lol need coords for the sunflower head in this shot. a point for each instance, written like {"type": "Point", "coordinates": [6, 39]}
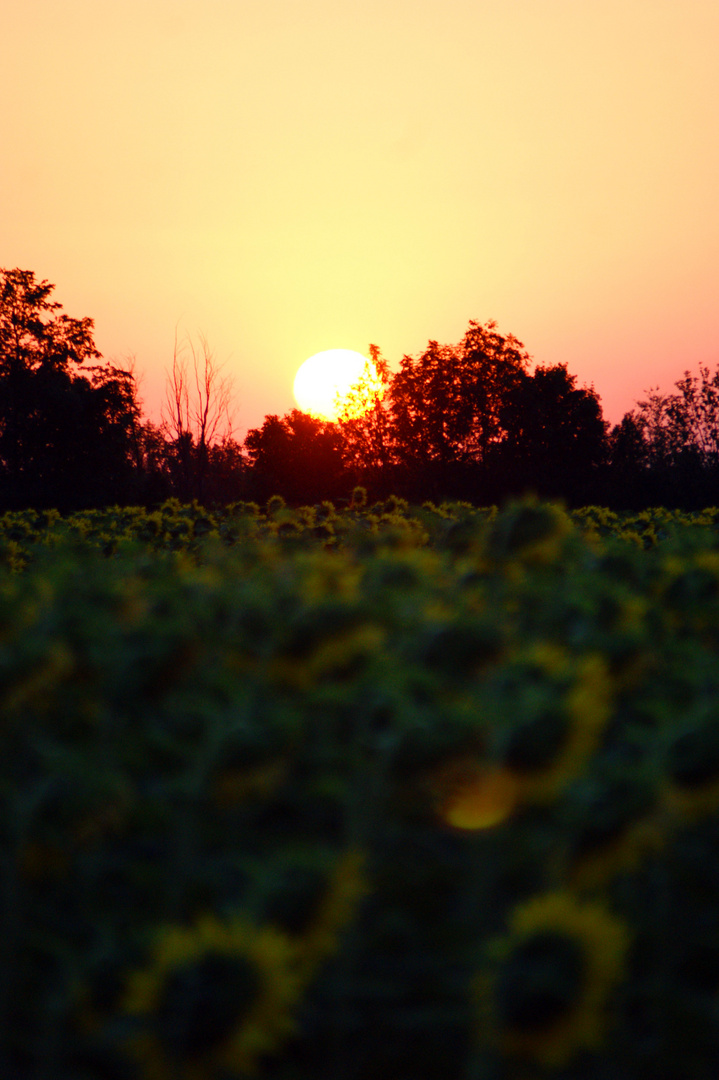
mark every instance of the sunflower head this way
{"type": "Point", "coordinates": [692, 769]}
{"type": "Point", "coordinates": [546, 994]}
{"type": "Point", "coordinates": [614, 825]}
{"type": "Point", "coordinates": [528, 532]}
{"type": "Point", "coordinates": [548, 711]}
{"type": "Point", "coordinates": [539, 981]}
{"type": "Point", "coordinates": [200, 1003]}
{"type": "Point", "coordinates": [342, 893]}
{"type": "Point", "coordinates": [215, 996]}
{"type": "Point", "coordinates": [275, 504]}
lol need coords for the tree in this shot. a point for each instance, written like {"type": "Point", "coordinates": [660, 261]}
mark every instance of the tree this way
{"type": "Point", "coordinates": [67, 428]}
{"type": "Point", "coordinates": [33, 335]}
{"type": "Point", "coordinates": [153, 461]}
{"type": "Point", "coordinates": [693, 415]}
{"type": "Point", "coordinates": [227, 472]}
{"type": "Point", "coordinates": [447, 401]}
{"type": "Point", "coordinates": [653, 421]}
{"type": "Point", "coordinates": [296, 456]}
{"type": "Point", "coordinates": [366, 430]}
{"type": "Point", "coordinates": [555, 436]}
{"type": "Point", "coordinates": [197, 413]}
{"type": "Point", "coordinates": [667, 449]}
{"type": "Point", "coordinates": [684, 425]}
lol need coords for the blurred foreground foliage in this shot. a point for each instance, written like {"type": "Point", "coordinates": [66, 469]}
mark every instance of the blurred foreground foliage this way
{"type": "Point", "coordinates": [379, 791]}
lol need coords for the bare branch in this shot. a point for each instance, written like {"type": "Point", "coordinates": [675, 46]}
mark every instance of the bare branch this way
{"type": "Point", "coordinates": [197, 412]}
{"type": "Point", "coordinates": [176, 408]}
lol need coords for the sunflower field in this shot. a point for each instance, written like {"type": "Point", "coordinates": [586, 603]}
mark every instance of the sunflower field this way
{"type": "Point", "coordinates": [380, 792]}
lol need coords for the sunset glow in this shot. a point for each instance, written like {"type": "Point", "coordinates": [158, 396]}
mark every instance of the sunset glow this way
{"type": "Point", "coordinates": [335, 383]}
{"type": "Point", "coordinates": [276, 175]}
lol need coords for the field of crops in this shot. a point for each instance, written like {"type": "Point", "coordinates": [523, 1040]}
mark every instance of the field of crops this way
{"type": "Point", "coordinates": [390, 792]}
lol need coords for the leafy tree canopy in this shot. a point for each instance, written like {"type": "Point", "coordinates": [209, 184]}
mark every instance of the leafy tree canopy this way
{"type": "Point", "coordinates": [33, 333]}
{"type": "Point", "coordinates": [297, 456]}
{"type": "Point", "coordinates": [66, 439]}
{"type": "Point", "coordinates": [447, 401]}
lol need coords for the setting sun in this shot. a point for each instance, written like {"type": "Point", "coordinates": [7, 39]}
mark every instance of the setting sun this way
{"type": "Point", "coordinates": [336, 382]}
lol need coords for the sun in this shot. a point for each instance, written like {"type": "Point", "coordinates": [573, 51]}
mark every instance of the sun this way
{"type": "Point", "coordinates": [337, 383]}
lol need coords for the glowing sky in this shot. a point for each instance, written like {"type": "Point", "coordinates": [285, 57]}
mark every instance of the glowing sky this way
{"type": "Point", "coordinates": [288, 176]}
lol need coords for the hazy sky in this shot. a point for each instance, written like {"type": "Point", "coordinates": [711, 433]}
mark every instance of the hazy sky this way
{"type": "Point", "coordinates": [287, 176]}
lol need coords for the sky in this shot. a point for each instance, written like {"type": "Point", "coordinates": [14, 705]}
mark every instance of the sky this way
{"type": "Point", "coordinates": [288, 176]}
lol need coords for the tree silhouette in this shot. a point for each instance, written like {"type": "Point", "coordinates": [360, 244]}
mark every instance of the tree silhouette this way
{"type": "Point", "coordinates": [297, 456]}
{"type": "Point", "coordinates": [197, 413]}
{"type": "Point", "coordinates": [447, 402]}
{"type": "Point", "coordinates": [466, 420]}
{"type": "Point", "coordinates": [33, 335]}
{"type": "Point", "coordinates": [693, 415]}
{"type": "Point", "coordinates": [227, 473]}
{"type": "Point", "coordinates": [366, 428]}
{"type": "Point", "coordinates": [555, 437]}
{"type": "Point", "coordinates": [666, 450]}
{"type": "Point", "coordinates": [67, 433]}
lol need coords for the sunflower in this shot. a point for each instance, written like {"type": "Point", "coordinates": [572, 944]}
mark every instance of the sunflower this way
{"type": "Point", "coordinates": [691, 788]}
{"type": "Point", "coordinates": [557, 709]}
{"type": "Point", "coordinates": [619, 826]}
{"type": "Point", "coordinates": [216, 996]}
{"type": "Point", "coordinates": [546, 997]}
{"type": "Point", "coordinates": [528, 532]}
{"type": "Point", "coordinates": [346, 888]}
{"type": "Point", "coordinates": [330, 642]}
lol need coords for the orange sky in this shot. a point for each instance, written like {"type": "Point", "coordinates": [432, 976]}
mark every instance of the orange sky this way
{"type": "Point", "coordinates": [287, 176]}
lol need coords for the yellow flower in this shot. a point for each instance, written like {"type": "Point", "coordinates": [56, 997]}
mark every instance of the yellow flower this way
{"type": "Point", "coordinates": [563, 706]}
{"type": "Point", "coordinates": [347, 887]}
{"type": "Point", "coordinates": [338, 656]}
{"type": "Point", "coordinates": [619, 825]}
{"type": "Point", "coordinates": [319, 651]}
{"type": "Point", "coordinates": [622, 853]}
{"type": "Point", "coordinates": [691, 788]}
{"type": "Point", "coordinates": [547, 998]}
{"type": "Point", "coordinates": [359, 498]}
{"type": "Point", "coordinates": [528, 532]}
{"type": "Point", "coordinates": [216, 996]}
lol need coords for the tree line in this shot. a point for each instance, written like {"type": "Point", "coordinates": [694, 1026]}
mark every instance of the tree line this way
{"type": "Point", "coordinates": [470, 421]}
